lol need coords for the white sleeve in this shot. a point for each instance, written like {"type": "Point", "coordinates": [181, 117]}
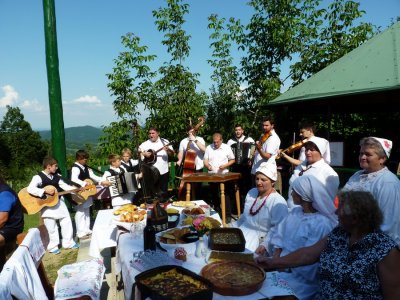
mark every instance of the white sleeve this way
{"type": "Point", "coordinates": [75, 171]}
{"type": "Point", "coordinates": [33, 186]}
{"type": "Point", "coordinates": [94, 176]}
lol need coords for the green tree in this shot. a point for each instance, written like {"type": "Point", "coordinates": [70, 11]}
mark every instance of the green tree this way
{"type": "Point", "coordinates": [175, 98]}
{"type": "Point", "coordinates": [268, 41]}
{"type": "Point", "coordinates": [131, 84]}
{"type": "Point", "coordinates": [23, 147]}
{"type": "Point", "coordinates": [225, 91]}
{"type": "Point", "coordinates": [326, 34]}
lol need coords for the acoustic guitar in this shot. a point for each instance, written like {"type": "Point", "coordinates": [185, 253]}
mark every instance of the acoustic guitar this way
{"type": "Point", "coordinates": [151, 160]}
{"type": "Point", "coordinates": [33, 204]}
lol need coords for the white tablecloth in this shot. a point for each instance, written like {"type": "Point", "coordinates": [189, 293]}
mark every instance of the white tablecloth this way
{"type": "Point", "coordinates": [104, 233]}
{"type": "Point", "coordinates": [127, 245]}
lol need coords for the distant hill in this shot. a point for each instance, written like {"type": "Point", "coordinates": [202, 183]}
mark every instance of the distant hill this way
{"type": "Point", "coordinates": [77, 137]}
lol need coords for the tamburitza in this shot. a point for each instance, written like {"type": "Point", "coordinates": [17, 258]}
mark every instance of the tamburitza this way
{"type": "Point", "coordinates": [243, 152]}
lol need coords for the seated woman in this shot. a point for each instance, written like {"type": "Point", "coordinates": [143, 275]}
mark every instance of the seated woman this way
{"type": "Point", "coordinates": [357, 260]}
{"type": "Point", "coordinates": [264, 208]}
{"type": "Point", "coordinates": [303, 227]}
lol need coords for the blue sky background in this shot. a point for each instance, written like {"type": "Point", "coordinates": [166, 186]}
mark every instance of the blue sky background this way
{"type": "Point", "coordinates": [88, 33]}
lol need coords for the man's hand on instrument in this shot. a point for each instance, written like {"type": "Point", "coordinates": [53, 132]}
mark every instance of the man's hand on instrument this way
{"type": "Point", "coordinates": [105, 183]}
{"type": "Point", "coordinates": [258, 145]}
{"type": "Point", "coordinates": [178, 163]}
{"type": "Point", "coordinates": [191, 137]}
{"type": "Point", "coordinates": [49, 190]}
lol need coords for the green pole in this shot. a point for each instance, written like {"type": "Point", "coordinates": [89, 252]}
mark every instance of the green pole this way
{"type": "Point", "coordinates": [53, 79]}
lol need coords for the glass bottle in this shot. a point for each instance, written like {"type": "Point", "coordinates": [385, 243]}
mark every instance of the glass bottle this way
{"type": "Point", "coordinates": [159, 217]}
{"type": "Point", "coordinates": [149, 235]}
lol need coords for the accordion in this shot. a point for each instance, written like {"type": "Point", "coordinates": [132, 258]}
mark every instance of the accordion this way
{"type": "Point", "coordinates": [122, 183]}
{"type": "Point", "coordinates": [243, 152]}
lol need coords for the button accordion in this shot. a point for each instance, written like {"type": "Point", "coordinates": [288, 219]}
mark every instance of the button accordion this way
{"type": "Point", "coordinates": [122, 183]}
{"type": "Point", "coordinates": [243, 152]}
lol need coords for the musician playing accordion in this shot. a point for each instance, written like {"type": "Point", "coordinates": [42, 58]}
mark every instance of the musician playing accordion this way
{"type": "Point", "coordinates": [123, 183]}
{"type": "Point", "coordinates": [243, 149]}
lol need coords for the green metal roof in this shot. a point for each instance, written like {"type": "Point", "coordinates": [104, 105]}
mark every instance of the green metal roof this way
{"type": "Point", "coordinates": [372, 67]}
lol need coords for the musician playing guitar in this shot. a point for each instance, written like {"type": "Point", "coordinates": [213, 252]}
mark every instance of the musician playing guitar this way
{"type": "Point", "coordinates": [80, 173]}
{"type": "Point", "coordinates": [267, 147]}
{"type": "Point", "coordinates": [160, 149]}
{"type": "Point", "coordinates": [45, 183]}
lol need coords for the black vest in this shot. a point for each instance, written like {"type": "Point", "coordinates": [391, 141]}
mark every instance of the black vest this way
{"type": "Point", "coordinates": [83, 174]}
{"type": "Point", "coordinates": [47, 181]}
{"type": "Point", "coordinates": [113, 173]}
{"type": "Point", "coordinates": [15, 216]}
{"type": "Point", "coordinates": [128, 166]}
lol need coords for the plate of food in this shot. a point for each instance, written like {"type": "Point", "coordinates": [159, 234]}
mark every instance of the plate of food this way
{"type": "Point", "coordinates": [125, 208]}
{"type": "Point", "coordinates": [178, 237]}
{"type": "Point", "coordinates": [234, 278]}
{"type": "Point", "coordinates": [193, 212]}
{"type": "Point", "coordinates": [183, 204]}
{"type": "Point", "coordinates": [127, 219]}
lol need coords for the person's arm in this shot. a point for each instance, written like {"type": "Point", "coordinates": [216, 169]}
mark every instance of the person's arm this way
{"type": "Point", "coordinates": [290, 159]}
{"type": "Point", "coordinates": [180, 157]}
{"type": "Point", "coordinates": [75, 171]}
{"type": "Point", "coordinates": [389, 274]}
{"type": "Point", "coordinates": [200, 145]}
{"type": "Point", "coordinates": [227, 165]}
{"type": "Point", "coordinates": [33, 188]}
{"type": "Point", "coordinates": [265, 155]}
{"type": "Point", "coordinates": [301, 257]}
{"type": "Point", "coordinates": [207, 164]}
{"type": "Point", "coordinates": [7, 201]}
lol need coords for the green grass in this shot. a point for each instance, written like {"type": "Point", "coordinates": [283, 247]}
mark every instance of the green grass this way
{"type": "Point", "coordinates": [31, 221]}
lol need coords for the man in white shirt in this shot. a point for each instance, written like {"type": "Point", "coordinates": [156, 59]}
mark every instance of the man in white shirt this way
{"type": "Point", "coordinates": [217, 159]}
{"type": "Point", "coordinates": [307, 134]}
{"type": "Point", "coordinates": [156, 151]}
{"type": "Point", "coordinates": [243, 148]}
{"type": "Point", "coordinates": [267, 147]}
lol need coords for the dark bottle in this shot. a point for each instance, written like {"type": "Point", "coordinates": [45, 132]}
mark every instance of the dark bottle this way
{"type": "Point", "coordinates": [149, 236]}
{"type": "Point", "coordinates": [159, 217]}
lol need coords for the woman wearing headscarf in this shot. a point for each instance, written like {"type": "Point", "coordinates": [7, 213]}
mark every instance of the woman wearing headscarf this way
{"type": "Point", "coordinates": [303, 228]}
{"type": "Point", "coordinates": [264, 208]}
{"type": "Point", "coordinates": [357, 260]}
{"type": "Point", "coordinates": [377, 179]}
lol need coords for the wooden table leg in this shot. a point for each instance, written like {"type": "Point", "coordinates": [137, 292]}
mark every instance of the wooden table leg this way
{"type": "Point", "coordinates": [188, 187]}
{"type": "Point", "coordinates": [237, 195]}
{"type": "Point", "coordinates": [223, 209]}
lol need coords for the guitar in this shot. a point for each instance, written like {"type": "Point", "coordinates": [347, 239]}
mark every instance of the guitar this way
{"type": "Point", "coordinates": [33, 204]}
{"type": "Point", "coordinates": [153, 154]}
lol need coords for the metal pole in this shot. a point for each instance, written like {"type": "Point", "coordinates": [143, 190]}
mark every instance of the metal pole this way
{"type": "Point", "coordinates": [53, 79]}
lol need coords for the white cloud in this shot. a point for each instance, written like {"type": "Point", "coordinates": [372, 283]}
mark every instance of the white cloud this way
{"type": "Point", "coordinates": [10, 96]}
{"type": "Point", "coordinates": [32, 105]}
{"type": "Point", "coordinates": [87, 99]}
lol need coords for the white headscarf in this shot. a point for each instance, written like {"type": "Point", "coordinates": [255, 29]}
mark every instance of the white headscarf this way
{"type": "Point", "coordinates": [310, 189]}
{"type": "Point", "coordinates": [269, 169]}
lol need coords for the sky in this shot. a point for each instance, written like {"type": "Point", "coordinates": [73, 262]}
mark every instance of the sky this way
{"type": "Point", "coordinates": [89, 39]}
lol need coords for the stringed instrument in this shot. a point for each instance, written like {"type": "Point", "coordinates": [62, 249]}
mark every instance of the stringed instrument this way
{"type": "Point", "coordinates": [189, 161]}
{"type": "Point", "coordinates": [33, 204]}
{"type": "Point", "coordinates": [151, 160]}
{"type": "Point", "coordinates": [296, 146]}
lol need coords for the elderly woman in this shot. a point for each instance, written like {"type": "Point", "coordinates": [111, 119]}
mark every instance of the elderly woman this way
{"type": "Point", "coordinates": [301, 229]}
{"type": "Point", "coordinates": [316, 166]}
{"type": "Point", "coordinates": [376, 178]}
{"type": "Point", "coordinates": [264, 208]}
{"type": "Point", "coordinates": [357, 260]}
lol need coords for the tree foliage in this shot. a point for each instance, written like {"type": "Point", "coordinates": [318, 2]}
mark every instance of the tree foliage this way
{"type": "Point", "coordinates": [21, 146]}
{"type": "Point", "coordinates": [225, 91]}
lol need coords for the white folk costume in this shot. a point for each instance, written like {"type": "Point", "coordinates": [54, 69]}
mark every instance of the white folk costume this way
{"type": "Point", "coordinates": [199, 154]}
{"type": "Point", "coordinates": [301, 229]}
{"type": "Point", "coordinates": [162, 156]}
{"type": "Point", "coordinates": [120, 200]}
{"type": "Point", "coordinates": [51, 214]}
{"type": "Point", "coordinates": [82, 216]}
{"type": "Point", "coordinates": [261, 216]}
{"type": "Point", "coordinates": [130, 164]}
{"type": "Point", "coordinates": [322, 171]}
{"type": "Point", "coordinates": [323, 146]}
{"type": "Point", "coordinates": [271, 146]}
{"type": "Point", "coordinates": [218, 157]}
{"type": "Point", "coordinates": [385, 187]}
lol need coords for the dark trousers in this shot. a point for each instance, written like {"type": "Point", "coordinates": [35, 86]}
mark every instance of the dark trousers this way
{"type": "Point", "coordinates": [214, 197]}
{"type": "Point", "coordinates": [244, 183]}
{"type": "Point", "coordinates": [164, 184]}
